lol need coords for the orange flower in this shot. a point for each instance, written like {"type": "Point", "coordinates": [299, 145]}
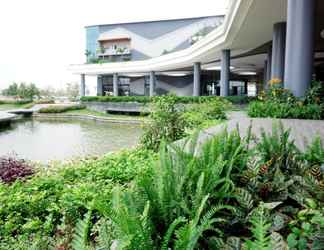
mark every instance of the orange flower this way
{"type": "Point", "coordinates": [275, 81]}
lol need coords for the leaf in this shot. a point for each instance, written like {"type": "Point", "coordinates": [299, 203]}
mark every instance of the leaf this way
{"type": "Point", "coordinates": [271, 205]}
{"type": "Point", "coordinates": [244, 198]}
{"type": "Point", "coordinates": [292, 240]}
{"type": "Point", "coordinates": [80, 238]}
{"type": "Point", "coordinates": [233, 243]}
{"type": "Point", "coordinates": [279, 221]}
{"type": "Point", "coordinates": [277, 242]}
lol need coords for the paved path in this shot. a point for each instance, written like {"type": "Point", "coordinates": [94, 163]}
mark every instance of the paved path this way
{"type": "Point", "coordinates": [302, 131]}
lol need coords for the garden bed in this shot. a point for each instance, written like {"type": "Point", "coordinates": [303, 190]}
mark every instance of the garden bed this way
{"type": "Point", "coordinates": [179, 99]}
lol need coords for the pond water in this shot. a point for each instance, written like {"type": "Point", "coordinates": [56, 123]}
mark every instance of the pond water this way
{"type": "Point", "coordinates": [63, 139]}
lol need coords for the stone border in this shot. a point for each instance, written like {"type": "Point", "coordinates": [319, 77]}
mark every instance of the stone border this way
{"type": "Point", "coordinates": [103, 107]}
{"type": "Point", "coordinates": [89, 117]}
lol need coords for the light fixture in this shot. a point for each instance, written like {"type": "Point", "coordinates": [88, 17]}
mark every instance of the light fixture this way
{"type": "Point", "coordinates": [134, 75]}
{"type": "Point", "coordinates": [217, 68]}
{"type": "Point", "coordinates": [247, 73]}
{"type": "Point", "coordinates": [175, 74]}
{"type": "Point", "coordinates": [322, 34]}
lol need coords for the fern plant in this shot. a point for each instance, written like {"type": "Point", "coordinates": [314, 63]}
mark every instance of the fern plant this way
{"type": "Point", "coordinates": [81, 236]}
{"type": "Point", "coordinates": [277, 147]}
{"type": "Point", "coordinates": [131, 221]}
{"type": "Point", "coordinates": [189, 234]}
{"type": "Point", "coordinates": [315, 153]}
{"type": "Point", "coordinates": [260, 230]}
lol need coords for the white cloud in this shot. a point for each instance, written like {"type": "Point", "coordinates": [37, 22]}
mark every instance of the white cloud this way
{"type": "Point", "coordinates": [40, 38]}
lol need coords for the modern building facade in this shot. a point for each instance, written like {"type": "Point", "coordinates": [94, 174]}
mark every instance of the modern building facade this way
{"type": "Point", "coordinates": [256, 40]}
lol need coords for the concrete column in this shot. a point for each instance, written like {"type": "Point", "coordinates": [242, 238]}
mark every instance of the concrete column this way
{"type": "Point", "coordinates": [115, 84]}
{"type": "Point", "coordinates": [99, 86]}
{"type": "Point", "coordinates": [269, 64]}
{"type": "Point", "coordinates": [152, 83]}
{"type": "Point", "coordinates": [278, 51]}
{"type": "Point", "coordinates": [225, 73]}
{"type": "Point", "coordinates": [196, 80]}
{"type": "Point", "coordinates": [82, 85]}
{"type": "Point", "coordinates": [299, 45]}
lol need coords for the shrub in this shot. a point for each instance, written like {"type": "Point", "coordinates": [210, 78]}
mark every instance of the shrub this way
{"type": "Point", "coordinates": [61, 108]}
{"type": "Point", "coordinates": [295, 110]}
{"type": "Point", "coordinates": [16, 102]}
{"type": "Point", "coordinates": [167, 123]}
{"type": "Point", "coordinates": [178, 99]}
{"type": "Point", "coordinates": [44, 101]}
{"type": "Point", "coordinates": [196, 115]}
{"type": "Point", "coordinates": [12, 169]}
{"type": "Point", "coordinates": [316, 94]}
{"type": "Point", "coordinates": [278, 102]}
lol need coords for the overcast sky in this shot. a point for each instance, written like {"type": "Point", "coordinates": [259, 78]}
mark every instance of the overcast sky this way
{"type": "Point", "coordinates": [40, 38]}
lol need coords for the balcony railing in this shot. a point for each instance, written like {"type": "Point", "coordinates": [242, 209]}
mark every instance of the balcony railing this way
{"type": "Point", "coordinates": [114, 52]}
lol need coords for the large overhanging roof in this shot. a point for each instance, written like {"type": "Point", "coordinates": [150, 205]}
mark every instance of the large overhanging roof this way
{"type": "Point", "coordinates": [248, 24]}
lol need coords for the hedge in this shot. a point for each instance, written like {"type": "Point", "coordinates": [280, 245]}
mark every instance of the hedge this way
{"type": "Point", "coordinates": [179, 99]}
{"type": "Point", "coordinates": [60, 108]}
{"type": "Point", "coordinates": [16, 102]}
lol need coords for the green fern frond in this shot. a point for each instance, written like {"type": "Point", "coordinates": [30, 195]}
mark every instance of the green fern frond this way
{"type": "Point", "coordinates": [233, 243]}
{"type": "Point", "coordinates": [260, 230]}
{"type": "Point", "coordinates": [105, 236]}
{"type": "Point", "coordinates": [81, 235]}
{"type": "Point", "coordinates": [170, 231]}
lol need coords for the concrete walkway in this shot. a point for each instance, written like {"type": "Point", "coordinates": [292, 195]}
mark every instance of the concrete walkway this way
{"type": "Point", "coordinates": [303, 132]}
{"type": "Point", "coordinates": [6, 117]}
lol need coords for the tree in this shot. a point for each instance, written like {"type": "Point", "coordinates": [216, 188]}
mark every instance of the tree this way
{"type": "Point", "coordinates": [22, 90]}
{"type": "Point", "coordinates": [12, 90]}
{"type": "Point", "coordinates": [48, 91]}
{"type": "Point", "coordinates": [72, 89]}
{"type": "Point", "coordinates": [32, 91]}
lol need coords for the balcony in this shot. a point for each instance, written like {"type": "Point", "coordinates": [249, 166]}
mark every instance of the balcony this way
{"type": "Point", "coordinates": [103, 52]}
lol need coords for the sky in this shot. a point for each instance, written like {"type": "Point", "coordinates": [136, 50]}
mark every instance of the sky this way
{"type": "Point", "coordinates": [39, 39]}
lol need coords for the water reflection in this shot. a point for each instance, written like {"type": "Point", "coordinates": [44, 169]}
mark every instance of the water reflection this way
{"type": "Point", "coordinates": [44, 140]}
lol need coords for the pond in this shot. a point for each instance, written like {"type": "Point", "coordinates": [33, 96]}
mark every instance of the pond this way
{"type": "Point", "coordinates": [63, 139]}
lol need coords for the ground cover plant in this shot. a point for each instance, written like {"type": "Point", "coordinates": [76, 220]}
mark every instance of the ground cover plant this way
{"type": "Point", "coordinates": [12, 169]}
{"type": "Point", "coordinates": [278, 102]}
{"type": "Point", "coordinates": [44, 208]}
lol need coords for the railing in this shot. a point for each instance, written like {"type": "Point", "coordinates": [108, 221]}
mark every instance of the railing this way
{"type": "Point", "coordinates": [114, 52]}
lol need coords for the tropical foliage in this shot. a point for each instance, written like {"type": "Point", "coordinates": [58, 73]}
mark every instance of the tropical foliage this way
{"type": "Point", "coordinates": [171, 121]}
{"type": "Point", "coordinates": [232, 192]}
{"type": "Point", "coordinates": [166, 123]}
{"type": "Point", "coordinates": [278, 102]}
